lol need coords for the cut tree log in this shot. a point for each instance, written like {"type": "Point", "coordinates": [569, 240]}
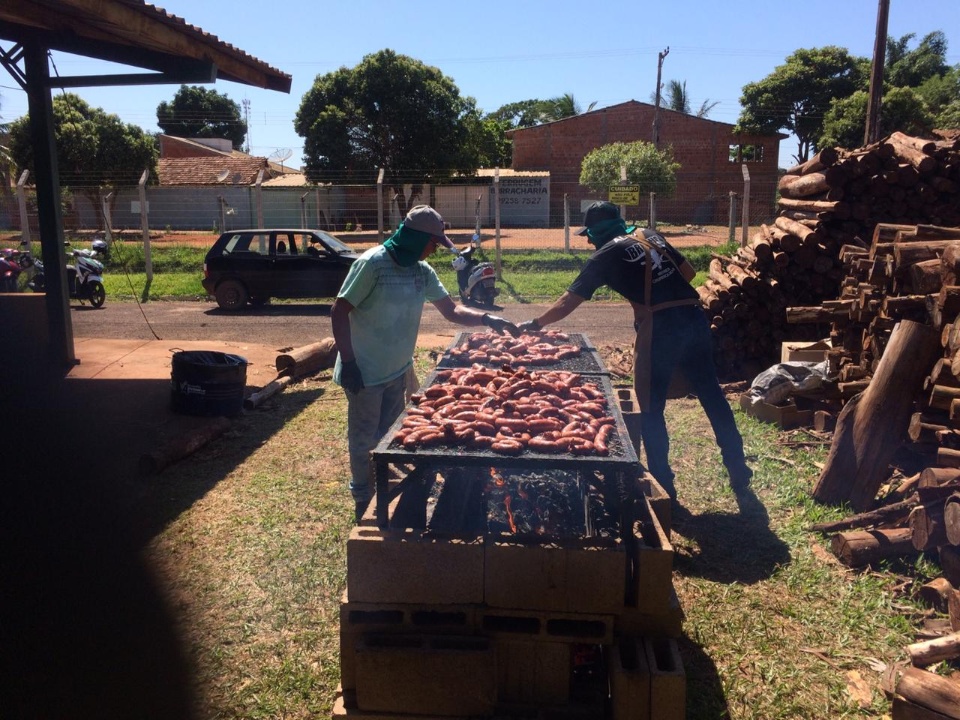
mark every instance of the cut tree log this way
{"type": "Point", "coordinates": [951, 518]}
{"type": "Point", "coordinates": [936, 593]}
{"type": "Point", "coordinates": [887, 514]}
{"type": "Point", "coordinates": [870, 425]}
{"type": "Point", "coordinates": [953, 609]}
{"type": "Point", "coordinates": [928, 689]}
{"type": "Point", "coordinates": [927, 527]}
{"type": "Point", "coordinates": [182, 445]}
{"type": "Point", "coordinates": [308, 359]}
{"type": "Point", "coordinates": [266, 392]}
{"type": "Point", "coordinates": [930, 652]}
{"type": "Point", "coordinates": [859, 548]}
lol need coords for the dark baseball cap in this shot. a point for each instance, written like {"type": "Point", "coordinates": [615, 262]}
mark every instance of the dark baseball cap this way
{"type": "Point", "coordinates": [598, 212]}
{"type": "Point", "coordinates": [425, 219]}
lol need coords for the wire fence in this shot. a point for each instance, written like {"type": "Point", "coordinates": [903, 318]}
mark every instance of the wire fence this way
{"type": "Point", "coordinates": [532, 210]}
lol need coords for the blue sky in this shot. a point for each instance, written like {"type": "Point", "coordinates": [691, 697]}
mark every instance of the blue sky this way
{"type": "Point", "coordinates": [501, 52]}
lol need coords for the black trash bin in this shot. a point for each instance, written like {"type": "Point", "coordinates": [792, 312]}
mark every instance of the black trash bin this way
{"type": "Point", "coordinates": [207, 382]}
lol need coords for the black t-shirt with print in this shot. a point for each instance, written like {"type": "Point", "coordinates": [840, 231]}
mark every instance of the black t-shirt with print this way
{"type": "Point", "coordinates": [620, 265]}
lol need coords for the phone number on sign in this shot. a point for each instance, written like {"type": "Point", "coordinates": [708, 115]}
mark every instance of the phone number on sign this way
{"type": "Point", "coordinates": [521, 201]}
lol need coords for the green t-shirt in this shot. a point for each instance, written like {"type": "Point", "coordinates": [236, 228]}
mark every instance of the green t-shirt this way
{"type": "Point", "coordinates": [387, 304]}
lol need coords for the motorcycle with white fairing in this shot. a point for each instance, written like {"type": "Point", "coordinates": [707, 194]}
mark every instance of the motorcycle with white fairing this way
{"type": "Point", "coordinates": [84, 276]}
{"type": "Point", "coordinates": [477, 280]}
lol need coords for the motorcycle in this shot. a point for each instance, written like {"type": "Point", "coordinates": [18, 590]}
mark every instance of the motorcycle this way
{"type": "Point", "coordinates": [84, 276]}
{"type": "Point", "coordinates": [10, 269]}
{"type": "Point", "coordinates": [477, 280]}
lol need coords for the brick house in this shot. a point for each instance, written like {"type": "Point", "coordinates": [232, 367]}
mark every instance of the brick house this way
{"type": "Point", "coordinates": [710, 154]}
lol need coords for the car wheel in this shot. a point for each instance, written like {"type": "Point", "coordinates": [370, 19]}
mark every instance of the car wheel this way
{"type": "Point", "coordinates": [231, 295]}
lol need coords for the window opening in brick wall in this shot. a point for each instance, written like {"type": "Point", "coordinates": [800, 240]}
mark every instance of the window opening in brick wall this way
{"type": "Point", "coordinates": [745, 153]}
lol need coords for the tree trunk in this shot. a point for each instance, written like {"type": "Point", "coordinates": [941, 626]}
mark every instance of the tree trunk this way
{"type": "Point", "coordinates": [930, 652]}
{"type": "Point", "coordinates": [182, 445]}
{"type": "Point", "coordinates": [929, 690]}
{"type": "Point", "coordinates": [926, 526]}
{"type": "Point", "coordinates": [870, 427]}
{"type": "Point", "coordinates": [887, 514]}
{"type": "Point", "coordinates": [307, 360]}
{"type": "Point", "coordinates": [951, 518]}
{"type": "Point", "coordinates": [866, 547]}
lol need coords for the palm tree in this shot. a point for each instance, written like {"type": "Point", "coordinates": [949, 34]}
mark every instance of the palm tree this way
{"type": "Point", "coordinates": [677, 99]}
{"type": "Point", "coordinates": [563, 107]}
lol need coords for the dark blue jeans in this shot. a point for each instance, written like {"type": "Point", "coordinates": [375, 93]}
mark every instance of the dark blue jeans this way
{"type": "Point", "coordinates": [682, 341]}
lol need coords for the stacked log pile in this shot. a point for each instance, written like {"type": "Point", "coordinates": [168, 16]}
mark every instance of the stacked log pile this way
{"type": "Point", "coordinates": [829, 204]}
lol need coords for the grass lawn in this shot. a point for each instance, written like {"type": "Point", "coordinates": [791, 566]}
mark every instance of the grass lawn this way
{"type": "Point", "coordinates": [774, 627]}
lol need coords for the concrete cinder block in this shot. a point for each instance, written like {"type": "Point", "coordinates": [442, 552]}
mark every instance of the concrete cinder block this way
{"type": "Point", "coordinates": [422, 674]}
{"type": "Point", "coordinates": [588, 628]}
{"type": "Point", "coordinates": [629, 681]}
{"type": "Point", "coordinates": [397, 566]}
{"type": "Point", "coordinates": [573, 578]}
{"type": "Point", "coordinates": [531, 672]}
{"type": "Point", "coordinates": [667, 622]}
{"type": "Point", "coordinates": [659, 501]}
{"type": "Point", "coordinates": [668, 682]}
{"type": "Point", "coordinates": [651, 556]}
{"type": "Point", "coordinates": [359, 619]}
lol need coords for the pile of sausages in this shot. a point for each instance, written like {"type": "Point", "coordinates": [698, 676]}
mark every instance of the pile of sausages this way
{"type": "Point", "coordinates": [509, 411]}
{"type": "Point", "coordinates": [543, 348]}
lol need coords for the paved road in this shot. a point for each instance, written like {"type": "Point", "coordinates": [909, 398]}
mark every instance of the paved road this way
{"type": "Point", "coordinates": [293, 325]}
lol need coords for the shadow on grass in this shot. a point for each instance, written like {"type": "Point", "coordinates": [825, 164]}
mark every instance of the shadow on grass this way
{"type": "Point", "coordinates": [705, 696]}
{"type": "Point", "coordinates": [730, 547]}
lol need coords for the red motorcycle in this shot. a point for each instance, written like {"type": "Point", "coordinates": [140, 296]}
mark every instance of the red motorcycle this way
{"type": "Point", "coordinates": [11, 265]}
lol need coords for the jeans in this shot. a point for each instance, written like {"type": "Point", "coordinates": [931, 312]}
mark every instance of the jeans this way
{"type": "Point", "coordinates": [370, 413]}
{"type": "Point", "coordinates": [682, 340]}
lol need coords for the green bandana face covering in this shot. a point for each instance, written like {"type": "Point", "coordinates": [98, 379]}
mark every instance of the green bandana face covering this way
{"type": "Point", "coordinates": [599, 234]}
{"type": "Point", "coordinates": [406, 245]}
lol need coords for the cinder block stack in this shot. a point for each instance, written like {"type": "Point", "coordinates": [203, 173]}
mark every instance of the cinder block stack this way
{"type": "Point", "coordinates": [482, 625]}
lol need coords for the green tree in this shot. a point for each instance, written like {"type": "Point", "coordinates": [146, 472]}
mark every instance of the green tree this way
{"type": "Point", "coordinates": [95, 150]}
{"type": "Point", "coordinates": [941, 93]}
{"type": "Point", "coordinates": [196, 112]}
{"type": "Point", "coordinates": [900, 109]}
{"type": "Point", "coordinates": [524, 113]}
{"type": "Point", "coordinates": [796, 95]}
{"type": "Point", "coordinates": [487, 141]}
{"type": "Point", "coordinates": [392, 112]}
{"type": "Point", "coordinates": [653, 170]}
{"type": "Point", "coordinates": [910, 68]}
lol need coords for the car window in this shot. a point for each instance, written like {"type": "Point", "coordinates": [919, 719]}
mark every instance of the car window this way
{"type": "Point", "coordinates": [332, 243]}
{"type": "Point", "coordinates": [286, 243]}
{"type": "Point", "coordinates": [246, 242]}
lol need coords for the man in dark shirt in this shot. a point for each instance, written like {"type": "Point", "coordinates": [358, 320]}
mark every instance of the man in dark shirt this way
{"type": "Point", "coordinates": [672, 333]}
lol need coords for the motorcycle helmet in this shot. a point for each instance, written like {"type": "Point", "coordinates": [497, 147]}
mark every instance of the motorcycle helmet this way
{"type": "Point", "coordinates": [99, 246]}
{"type": "Point", "coordinates": [459, 263]}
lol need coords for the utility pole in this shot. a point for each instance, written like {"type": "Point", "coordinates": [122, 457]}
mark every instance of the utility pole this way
{"type": "Point", "coordinates": [656, 112]}
{"type": "Point", "coordinates": [246, 119]}
{"type": "Point", "coordinates": [872, 132]}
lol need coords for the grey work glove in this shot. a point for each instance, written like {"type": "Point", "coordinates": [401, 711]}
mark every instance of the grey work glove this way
{"type": "Point", "coordinates": [530, 326]}
{"type": "Point", "coordinates": [350, 377]}
{"type": "Point", "coordinates": [499, 324]}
